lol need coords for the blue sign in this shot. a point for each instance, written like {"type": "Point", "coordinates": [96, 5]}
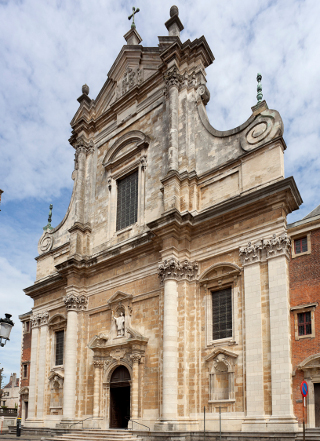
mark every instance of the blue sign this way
{"type": "Point", "coordinates": [304, 388]}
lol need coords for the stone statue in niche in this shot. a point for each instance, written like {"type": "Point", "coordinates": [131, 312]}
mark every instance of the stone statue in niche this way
{"type": "Point", "coordinates": [120, 324]}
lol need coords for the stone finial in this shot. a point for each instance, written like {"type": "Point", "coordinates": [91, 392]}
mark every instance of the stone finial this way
{"type": "Point", "coordinates": [48, 226]}
{"type": "Point", "coordinates": [174, 24]}
{"type": "Point", "coordinates": [259, 88]}
{"type": "Point", "coordinates": [85, 89]}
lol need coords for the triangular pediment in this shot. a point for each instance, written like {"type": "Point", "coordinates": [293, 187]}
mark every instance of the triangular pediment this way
{"type": "Point", "coordinates": [218, 351]}
{"type": "Point", "coordinates": [119, 296]}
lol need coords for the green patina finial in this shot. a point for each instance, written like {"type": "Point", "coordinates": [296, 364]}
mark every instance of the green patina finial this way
{"type": "Point", "coordinates": [259, 88]}
{"type": "Point", "coordinates": [134, 11]}
{"type": "Point", "coordinates": [48, 226]}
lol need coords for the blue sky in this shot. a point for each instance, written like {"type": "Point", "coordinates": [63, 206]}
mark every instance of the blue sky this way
{"type": "Point", "coordinates": [49, 49]}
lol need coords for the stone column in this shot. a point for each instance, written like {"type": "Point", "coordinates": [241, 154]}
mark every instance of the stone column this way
{"type": "Point", "coordinates": [33, 367]}
{"type": "Point", "coordinates": [135, 386]}
{"type": "Point", "coordinates": [253, 329]}
{"type": "Point", "coordinates": [80, 165]}
{"type": "Point", "coordinates": [98, 365]}
{"type": "Point", "coordinates": [173, 81]}
{"type": "Point", "coordinates": [170, 271]}
{"type": "Point", "coordinates": [42, 363]}
{"type": "Point", "coordinates": [74, 303]}
{"type": "Point", "coordinates": [278, 249]}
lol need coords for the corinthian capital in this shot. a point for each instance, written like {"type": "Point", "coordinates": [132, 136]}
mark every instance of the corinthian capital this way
{"type": "Point", "coordinates": [39, 319]}
{"type": "Point", "coordinates": [174, 269]}
{"type": "Point", "coordinates": [173, 78]}
{"type": "Point", "coordinates": [77, 302]}
{"type": "Point", "coordinates": [251, 253]}
{"type": "Point", "coordinates": [277, 245]}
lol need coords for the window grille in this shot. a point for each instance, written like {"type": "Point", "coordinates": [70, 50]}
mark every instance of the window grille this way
{"type": "Point", "coordinates": [127, 204]}
{"type": "Point", "coordinates": [59, 347]}
{"type": "Point", "coordinates": [304, 323]}
{"type": "Point", "coordinates": [300, 245]}
{"type": "Point", "coordinates": [221, 314]}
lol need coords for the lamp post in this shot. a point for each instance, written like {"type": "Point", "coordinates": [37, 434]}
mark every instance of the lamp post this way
{"type": "Point", "coordinates": [5, 328]}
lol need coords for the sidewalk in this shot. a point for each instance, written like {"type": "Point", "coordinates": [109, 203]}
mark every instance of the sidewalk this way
{"type": "Point", "coordinates": [9, 436]}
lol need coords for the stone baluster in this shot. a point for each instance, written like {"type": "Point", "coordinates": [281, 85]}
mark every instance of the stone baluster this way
{"type": "Point", "coordinates": [74, 304]}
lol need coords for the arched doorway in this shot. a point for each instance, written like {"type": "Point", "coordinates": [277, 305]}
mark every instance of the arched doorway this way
{"type": "Point", "coordinates": [120, 398]}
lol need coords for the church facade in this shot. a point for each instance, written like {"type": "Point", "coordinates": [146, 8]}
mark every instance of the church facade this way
{"type": "Point", "coordinates": [165, 290]}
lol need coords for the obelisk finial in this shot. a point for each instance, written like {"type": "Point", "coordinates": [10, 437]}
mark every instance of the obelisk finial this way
{"type": "Point", "coordinates": [48, 226]}
{"type": "Point", "coordinates": [259, 88]}
{"type": "Point", "coordinates": [134, 11]}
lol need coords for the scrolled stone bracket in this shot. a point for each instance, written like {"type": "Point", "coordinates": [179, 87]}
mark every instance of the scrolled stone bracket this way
{"type": "Point", "coordinates": [39, 319]}
{"type": "Point", "coordinates": [45, 243]}
{"type": "Point", "coordinates": [203, 93]}
{"type": "Point", "coordinates": [178, 270]}
{"type": "Point", "coordinates": [76, 302]}
{"type": "Point", "coordinates": [268, 248]}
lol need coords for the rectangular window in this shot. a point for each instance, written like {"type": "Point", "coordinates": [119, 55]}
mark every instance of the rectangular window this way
{"type": "Point", "coordinates": [304, 323]}
{"type": "Point", "coordinates": [221, 314]}
{"type": "Point", "coordinates": [25, 371]}
{"type": "Point", "coordinates": [127, 204]}
{"type": "Point", "coordinates": [59, 347]}
{"type": "Point", "coordinates": [301, 245]}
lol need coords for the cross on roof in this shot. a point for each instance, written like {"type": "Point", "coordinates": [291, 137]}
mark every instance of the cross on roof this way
{"type": "Point", "coordinates": [135, 11]}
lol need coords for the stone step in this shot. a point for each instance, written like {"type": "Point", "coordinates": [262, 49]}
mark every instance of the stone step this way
{"type": "Point", "coordinates": [95, 435]}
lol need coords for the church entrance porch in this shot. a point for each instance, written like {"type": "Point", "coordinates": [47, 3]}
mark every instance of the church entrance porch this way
{"type": "Point", "coordinates": [120, 398]}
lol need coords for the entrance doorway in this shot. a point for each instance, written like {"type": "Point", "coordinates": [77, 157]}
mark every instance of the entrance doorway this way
{"type": "Point", "coordinates": [317, 403]}
{"type": "Point", "coordinates": [120, 398]}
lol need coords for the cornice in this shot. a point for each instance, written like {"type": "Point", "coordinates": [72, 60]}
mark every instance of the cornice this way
{"type": "Point", "coordinates": [174, 217]}
{"type": "Point", "coordinates": [49, 283]}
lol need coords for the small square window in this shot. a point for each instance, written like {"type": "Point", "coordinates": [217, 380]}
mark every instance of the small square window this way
{"type": "Point", "coordinates": [301, 245]}
{"type": "Point", "coordinates": [304, 323]}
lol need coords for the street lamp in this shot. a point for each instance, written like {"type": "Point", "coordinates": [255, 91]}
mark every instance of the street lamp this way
{"type": "Point", "coordinates": [5, 329]}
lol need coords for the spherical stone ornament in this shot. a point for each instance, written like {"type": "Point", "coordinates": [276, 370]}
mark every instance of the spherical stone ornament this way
{"type": "Point", "coordinates": [174, 10]}
{"type": "Point", "coordinates": [85, 89]}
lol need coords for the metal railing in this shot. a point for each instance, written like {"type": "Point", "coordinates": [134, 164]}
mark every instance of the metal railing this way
{"type": "Point", "coordinates": [134, 421]}
{"type": "Point", "coordinates": [8, 411]}
{"type": "Point", "coordinates": [80, 422]}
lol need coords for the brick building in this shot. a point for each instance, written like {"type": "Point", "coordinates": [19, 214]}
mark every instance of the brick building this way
{"type": "Point", "coordinates": [305, 313]}
{"type": "Point", "coordinates": [165, 287]}
{"type": "Point", "coordinates": [25, 364]}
